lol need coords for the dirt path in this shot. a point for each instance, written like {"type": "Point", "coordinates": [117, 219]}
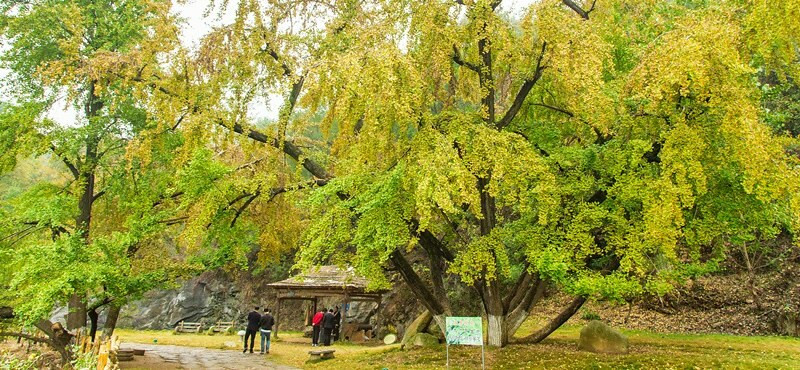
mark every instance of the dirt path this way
{"type": "Point", "coordinates": [178, 357]}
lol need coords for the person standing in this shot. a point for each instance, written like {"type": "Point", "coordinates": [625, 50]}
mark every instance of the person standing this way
{"type": "Point", "coordinates": [253, 319]}
{"type": "Point", "coordinates": [337, 322]}
{"type": "Point", "coordinates": [327, 327]}
{"type": "Point", "coordinates": [316, 324]}
{"type": "Point", "coordinates": [265, 326]}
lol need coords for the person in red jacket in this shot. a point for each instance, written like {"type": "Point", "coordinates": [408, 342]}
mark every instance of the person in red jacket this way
{"type": "Point", "coordinates": [316, 323]}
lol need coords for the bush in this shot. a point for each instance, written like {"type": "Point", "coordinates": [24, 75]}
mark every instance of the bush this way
{"type": "Point", "coordinates": [589, 316]}
{"type": "Point", "coordinates": [83, 361]}
{"type": "Point", "coordinates": [8, 361]}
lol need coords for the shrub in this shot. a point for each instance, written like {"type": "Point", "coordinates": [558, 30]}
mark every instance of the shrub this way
{"type": "Point", "coordinates": [589, 316]}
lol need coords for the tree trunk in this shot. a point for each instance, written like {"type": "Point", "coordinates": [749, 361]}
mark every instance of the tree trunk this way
{"type": "Point", "coordinates": [417, 286]}
{"type": "Point", "coordinates": [497, 330]}
{"type": "Point", "coordinates": [59, 338]}
{"type": "Point", "coordinates": [557, 321]}
{"type": "Point", "coordinates": [93, 317]}
{"type": "Point", "coordinates": [76, 318]}
{"type": "Point", "coordinates": [86, 177]}
{"type": "Point", "coordinates": [111, 320]}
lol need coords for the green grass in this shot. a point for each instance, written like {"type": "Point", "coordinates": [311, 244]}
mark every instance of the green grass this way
{"type": "Point", "coordinates": [648, 350]}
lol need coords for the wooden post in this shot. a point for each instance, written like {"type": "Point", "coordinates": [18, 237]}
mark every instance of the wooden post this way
{"type": "Point", "coordinates": [344, 310]}
{"type": "Point", "coordinates": [377, 327]}
{"type": "Point", "coordinates": [277, 317]}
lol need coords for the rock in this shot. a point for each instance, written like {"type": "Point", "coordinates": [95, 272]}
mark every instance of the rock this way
{"type": "Point", "coordinates": [231, 344]}
{"type": "Point", "coordinates": [389, 339]}
{"type": "Point", "coordinates": [418, 325]}
{"type": "Point", "coordinates": [600, 338]}
{"type": "Point", "coordinates": [425, 340]}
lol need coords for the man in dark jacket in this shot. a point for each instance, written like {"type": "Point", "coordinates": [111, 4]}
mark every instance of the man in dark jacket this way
{"type": "Point", "coordinates": [337, 322]}
{"type": "Point", "coordinates": [253, 319]}
{"type": "Point", "coordinates": [316, 324]}
{"type": "Point", "coordinates": [327, 327]}
{"type": "Point", "coordinates": [265, 326]}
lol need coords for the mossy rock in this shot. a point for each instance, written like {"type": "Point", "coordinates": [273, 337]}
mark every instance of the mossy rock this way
{"type": "Point", "coordinates": [425, 340]}
{"type": "Point", "coordinates": [598, 337]}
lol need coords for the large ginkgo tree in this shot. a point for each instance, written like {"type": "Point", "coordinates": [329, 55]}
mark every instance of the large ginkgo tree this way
{"type": "Point", "coordinates": [607, 149]}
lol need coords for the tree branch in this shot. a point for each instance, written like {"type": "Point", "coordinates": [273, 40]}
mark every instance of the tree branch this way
{"type": "Point", "coordinates": [577, 8]}
{"type": "Point", "coordinates": [557, 321]}
{"type": "Point", "coordinates": [557, 109]}
{"type": "Point", "coordinates": [70, 166]}
{"type": "Point", "coordinates": [25, 336]}
{"type": "Point", "coordinates": [98, 195]}
{"type": "Point", "coordinates": [460, 61]}
{"type": "Point", "coordinates": [523, 91]}
{"type": "Point", "coordinates": [243, 207]}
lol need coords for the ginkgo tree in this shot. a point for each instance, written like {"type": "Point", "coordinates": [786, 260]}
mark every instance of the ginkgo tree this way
{"type": "Point", "coordinates": [606, 149]}
{"type": "Point", "coordinates": [90, 238]}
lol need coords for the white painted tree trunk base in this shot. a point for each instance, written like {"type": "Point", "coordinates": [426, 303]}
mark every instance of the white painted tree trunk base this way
{"type": "Point", "coordinates": [496, 330]}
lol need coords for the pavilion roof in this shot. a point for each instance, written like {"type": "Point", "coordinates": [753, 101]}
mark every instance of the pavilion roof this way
{"type": "Point", "coordinates": [329, 277]}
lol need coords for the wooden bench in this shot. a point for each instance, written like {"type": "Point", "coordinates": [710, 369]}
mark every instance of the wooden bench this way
{"type": "Point", "coordinates": [189, 327]}
{"type": "Point", "coordinates": [223, 326]}
{"type": "Point", "coordinates": [321, 354]}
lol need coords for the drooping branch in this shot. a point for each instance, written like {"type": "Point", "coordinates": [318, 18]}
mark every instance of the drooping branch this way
{"type": "Point", "coordinates": [524, 90]}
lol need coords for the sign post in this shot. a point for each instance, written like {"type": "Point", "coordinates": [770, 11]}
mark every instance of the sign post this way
{"type": "Point", "coordinates": [467, 331]}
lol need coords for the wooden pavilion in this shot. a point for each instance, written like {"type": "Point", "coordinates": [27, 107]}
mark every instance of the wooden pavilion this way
{"type": "Point", "coordinates": [324, 281]}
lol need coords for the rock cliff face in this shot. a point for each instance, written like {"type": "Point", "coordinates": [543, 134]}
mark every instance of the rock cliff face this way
{"type": "Point", "coordinates": [216, 296]}
{"type": "Point", "coordinates": [199, 299]}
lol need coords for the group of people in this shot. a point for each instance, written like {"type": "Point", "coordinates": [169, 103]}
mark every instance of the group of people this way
{"type": "Point", "coordinates": [325, 325]}
{"type": "Point", "coordinates": [257, 322]}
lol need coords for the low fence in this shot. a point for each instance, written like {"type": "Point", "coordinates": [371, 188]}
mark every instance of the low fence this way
{"type": "Point", "coordinates": [107, 350]}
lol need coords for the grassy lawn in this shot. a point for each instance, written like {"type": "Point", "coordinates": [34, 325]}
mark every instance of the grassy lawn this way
{"type": "Point", "coordinates": [648, 350]}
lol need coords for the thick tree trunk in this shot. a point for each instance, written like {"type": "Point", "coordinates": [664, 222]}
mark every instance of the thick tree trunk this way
{"type": "Point", "coordinates": [76, 318]}
{"type": "Point", "coordinates": [59, 338]}
{"type": "Point", "coordinates": [86, 177]}
{"type": "Point", "coordinates": [557, 321]}
{"type": "Point", "coordinates": [495, 314]}
{"type": "Point", "coordinates": [111, 320]}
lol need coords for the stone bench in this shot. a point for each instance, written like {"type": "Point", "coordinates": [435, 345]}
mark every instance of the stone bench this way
{"type": "Point", "coordinates": [189, 327]}
{"type": "Point", "coordinates": [322, 354]}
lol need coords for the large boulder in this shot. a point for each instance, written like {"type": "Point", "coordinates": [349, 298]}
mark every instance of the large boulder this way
{"type": "Point", "coordinates": [600, 338]}
{"type": "Point", "coordinates": [425, 340]}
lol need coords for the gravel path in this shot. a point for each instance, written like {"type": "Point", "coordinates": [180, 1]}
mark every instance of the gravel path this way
{"type": "Point", "coordinates": [177, 357]}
